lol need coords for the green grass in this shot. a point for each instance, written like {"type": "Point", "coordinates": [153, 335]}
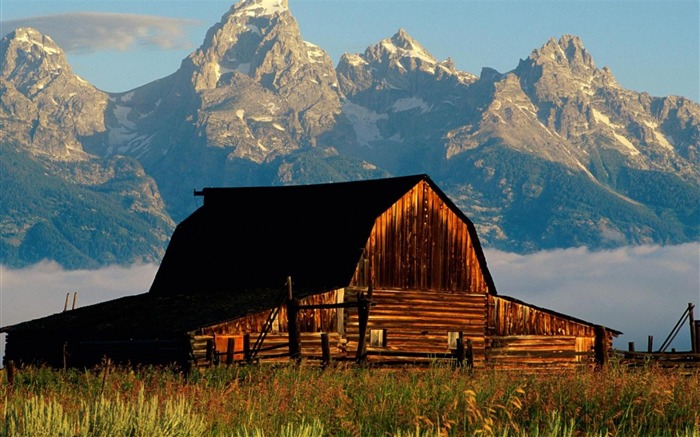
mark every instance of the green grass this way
{"type": "Point", "coordinates": [302, 400]}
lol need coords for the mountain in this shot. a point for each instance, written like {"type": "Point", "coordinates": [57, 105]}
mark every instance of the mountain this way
{"type": "Point", "coordinates": [59, 202]}
{"type": "Point", "coordinates": [554, 153]}
{"type": "Point", "coordinates": [253, 102]}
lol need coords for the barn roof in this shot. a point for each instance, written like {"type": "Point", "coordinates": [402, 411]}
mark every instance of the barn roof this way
{"type": "Point", "coordinates": [258, 236]}
{"type": "Point", "coordinates": [152, 315]}
{"type": "Point", "coordinates": [232, 256]}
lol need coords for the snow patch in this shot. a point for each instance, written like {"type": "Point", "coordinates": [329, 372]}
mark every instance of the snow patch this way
{"type": "Point", "coordinates": [364, 122]}
{"type": "Point", "coordinates": [355, 60]}
{"type": "Point", "coordinates": [408, 103]}
{"type": "Point", "coordinates": [264, 7]}
{"type": "Point", "coordinates": [602, 118]}
{"type": "Point", "coordinates": [660, 137]}
{"type": "Point", "coordinates": [263, 118]}
{"type": "Point", "coordinates": [314, 53]}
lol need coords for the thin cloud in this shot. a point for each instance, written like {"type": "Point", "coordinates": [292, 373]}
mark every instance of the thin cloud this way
{"type": "Point", "coordinates": [87, 32]}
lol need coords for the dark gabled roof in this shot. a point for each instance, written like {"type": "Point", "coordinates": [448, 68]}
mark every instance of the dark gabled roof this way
{"type": "Point", "coordinates": [152, 316]}
{"type": "Point", "coordinates": [254, 237]}
{"type": "Point", "coordinates": [233, 255]}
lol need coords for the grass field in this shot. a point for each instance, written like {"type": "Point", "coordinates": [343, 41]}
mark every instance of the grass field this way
{"type": "Point", "coordinates": [301, 400]}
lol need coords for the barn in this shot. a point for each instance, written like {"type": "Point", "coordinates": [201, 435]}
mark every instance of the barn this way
{"type": "Point", "coordinates": [379, 271]}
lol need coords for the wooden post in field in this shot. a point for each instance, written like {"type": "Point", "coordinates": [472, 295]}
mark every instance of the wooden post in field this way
{"type": "Point", "coordinates": [75, 299]}
{"type": "Point", "coordinates": [470, 353]}
{"type": "Point", "coordinates": [460, 352]}
{"type": "Point", "coordinates": [691, 321]}
{"type": "Point", "coordinates": [10, 369]}
{"type": "Point", "coordinates": [601, 346]}
{"type": "Point", "coordinates": [230, 349]}
{"type": "Point", "coordinates": [325, 350]}
{"type": "Point", "coordinates": [210, 351]}
{"type": "Point", "coordinates": [697, 336]}
{"type": "Point", "coordinates": [631, 346]}
{"type": "Point", "coordinates": [246, 348]}
{"type": "Point", "coordinates": [65, 305]}
{"type": "Point", "coordinates": [363, 318]}
{"type": "Point", "coordinates": [292, 326]}
{"type": "Point", "coordinates": [650, 344]}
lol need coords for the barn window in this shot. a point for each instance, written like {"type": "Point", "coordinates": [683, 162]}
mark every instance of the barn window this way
{"type": "Point", "coordinates": [452, 337]}
{"type": "Point", "coordinates": [377, 337]}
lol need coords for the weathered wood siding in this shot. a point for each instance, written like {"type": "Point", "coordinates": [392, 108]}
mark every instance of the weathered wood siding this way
{"type": "Point", "coordinates": [275, 348]}
{"type": "Point", "coordinates": [536, 352]}
{"type": "Point", "coordinates": [515, 326]}
{"type": "Point", "coordinates": [507, 317]}
{"type": "Point", "coordinates": [420, 321]}
{"type": "Point", "coordinates": [421, 244]}
{"type": "Point", "coordinates": [325, 320]}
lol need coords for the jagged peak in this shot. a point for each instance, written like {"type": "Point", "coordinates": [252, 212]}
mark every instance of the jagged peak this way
{"type": "Point", "coordinates": [33, 37]}
{"type": "Point", "coordinates": [402, 44]}
{"type": "Point", "coordinates": [569, 50]}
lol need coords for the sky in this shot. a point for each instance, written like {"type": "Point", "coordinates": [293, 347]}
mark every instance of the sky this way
{"type": "Point", "coordinates": [650, 45]}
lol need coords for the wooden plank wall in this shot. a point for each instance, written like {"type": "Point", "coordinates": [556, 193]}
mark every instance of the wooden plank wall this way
{"type": "Point", "coordinates": [309, 320]}
{"type": "Point", "coordinates": [421, 244]}
{"type": "Point", "coordinates": [507, 317]}
{"type": "Point", "coordinates": [275, 347]}
{"type": "Point", "coordinates": [535, 352]}
{"type": "Point", "coordinates": [419, 321]}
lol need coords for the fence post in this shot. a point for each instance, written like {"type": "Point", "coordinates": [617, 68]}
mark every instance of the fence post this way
{"type": "Point", "coordinates": [325, 350]}
{"type": "Point", "coordinates": [230, 349]}
{"type": "Point", "coordinates": [691, 322]}
{"type": "Point", "coordinates": [601, 346]}
{"type": "Point", "coordinates": [461, 352]}
{"type": "Point", "coordinates": [697, 336]}
{"type": "Point", "coordinates": [10, 373]}
{"type": "Point", "coordinates": [363, 316]}
{"type": "Point", "coordinates": [631, 346]}
{"type": "Point", "coordinates": [470, 353]}
{"type": "Point", "coordinates": [246, 348]}
{"type": "Point", "coordinates": [650, 344]}
{"type": "Point", "coordinates": [65, 356]}
{"type": "Point", "coordinates": [292, 327]}
{"type": "Point", "coordinates": [210, 351]}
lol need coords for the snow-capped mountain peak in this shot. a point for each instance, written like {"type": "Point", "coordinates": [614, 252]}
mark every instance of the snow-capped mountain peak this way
{"type": "Point", "coordinates": [256, 8]}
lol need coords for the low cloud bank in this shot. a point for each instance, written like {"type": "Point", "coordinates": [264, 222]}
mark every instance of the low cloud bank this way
{"type": "Point", "coordinates": [640, 291]}
{"type": "Point", "coordinates": [87, 32]}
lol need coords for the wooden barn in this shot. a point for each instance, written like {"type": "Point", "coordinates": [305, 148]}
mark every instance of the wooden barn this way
{"type": "Point", "coordinates": [380, 271]}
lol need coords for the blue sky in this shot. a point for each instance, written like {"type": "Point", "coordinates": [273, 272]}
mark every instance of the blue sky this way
{"type": "Point", "coordinates": [650, 45]}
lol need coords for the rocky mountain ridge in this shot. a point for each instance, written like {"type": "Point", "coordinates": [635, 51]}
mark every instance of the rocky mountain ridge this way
{"type": "Point", "coordinates": [554, 153]}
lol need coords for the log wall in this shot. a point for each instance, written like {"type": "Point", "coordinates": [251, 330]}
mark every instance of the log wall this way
{"type": "Point", "coordinates": [420, 321]}
{"type": "Point", "coordinates": [537, 352]}
{"type": "Point", "coordinates": [421, 244]}
{"type": "Point", "coordinates": [325, 320]}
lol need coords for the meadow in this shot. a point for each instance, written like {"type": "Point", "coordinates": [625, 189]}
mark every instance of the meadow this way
{"type": "Point", "coordinates": [304, 400]}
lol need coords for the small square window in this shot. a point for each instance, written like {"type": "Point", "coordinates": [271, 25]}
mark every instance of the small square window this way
{"type": "Point", "coordinates": [377, 337]}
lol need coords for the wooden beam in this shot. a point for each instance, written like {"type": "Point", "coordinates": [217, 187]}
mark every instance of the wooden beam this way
{"type": "Point", "coordinates": [292, 323]}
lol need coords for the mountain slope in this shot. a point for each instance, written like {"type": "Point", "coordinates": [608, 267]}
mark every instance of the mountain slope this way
{"type": "Point", "coordinates": [59, 202]}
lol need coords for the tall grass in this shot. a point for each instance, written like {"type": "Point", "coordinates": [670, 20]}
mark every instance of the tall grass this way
{"type": "Point", "coordinates": [290, 400]}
